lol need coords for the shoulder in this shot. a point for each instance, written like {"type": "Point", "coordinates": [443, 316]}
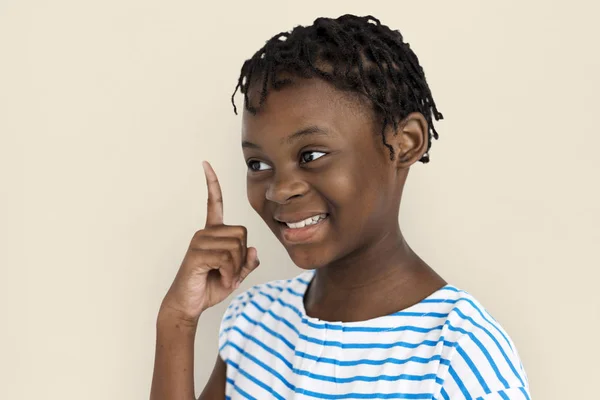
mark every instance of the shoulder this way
{"type": "Point", "coordinates": [482, 359]}
{"type": "Point", "coordinates": [249, 306]}
{"type": "Point", "coordinates": [264, 295]}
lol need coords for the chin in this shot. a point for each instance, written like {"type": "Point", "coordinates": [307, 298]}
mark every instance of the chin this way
{"type": "Point", "coordinates": [307, 258]}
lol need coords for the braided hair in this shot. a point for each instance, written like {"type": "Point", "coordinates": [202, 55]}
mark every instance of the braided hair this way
{"type": "Point", "coordinates": [353, 53]}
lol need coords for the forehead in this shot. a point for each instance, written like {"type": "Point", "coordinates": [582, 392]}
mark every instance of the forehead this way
{"type": "Point", "coordinates": [307, 102]}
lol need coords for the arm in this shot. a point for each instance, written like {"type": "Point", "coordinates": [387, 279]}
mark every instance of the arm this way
{"type": "Point", "coordinates": [173, 376]}
{"type": "Point", "coordinates": [174, 363]}
{"type": "Point", "coordinates": [216, 262]}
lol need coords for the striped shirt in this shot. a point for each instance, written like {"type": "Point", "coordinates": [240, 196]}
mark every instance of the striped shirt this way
{"type": "Point", "coordinates": [447, 346]}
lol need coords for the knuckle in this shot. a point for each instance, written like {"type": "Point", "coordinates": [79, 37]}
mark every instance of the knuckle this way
{"type": "Point", "coordinates": [199, 234]}
{"type": "Point", "coordinates": [198, 241]}
{"type": "Point", "coordinates": [240, 231]}
{"type": "Point", "coordinates": [239, 246]}
{"type": "Point", "coordinates": [225, 256]}
{"type": "Point", "coordinates": [234, 244]}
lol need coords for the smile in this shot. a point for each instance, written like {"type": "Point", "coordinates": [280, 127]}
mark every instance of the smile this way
{"type": "Point", "coordinates": [306, 222]}
{"type": "Point", "coordinates": [311, 229]}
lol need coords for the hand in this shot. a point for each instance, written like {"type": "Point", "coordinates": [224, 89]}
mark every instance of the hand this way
{"type": "Point", "coordinates": [216, 262]}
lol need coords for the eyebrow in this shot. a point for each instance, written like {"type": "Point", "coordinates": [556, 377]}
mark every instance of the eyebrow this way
{"type": "Point", "coordinates": [310, 130]}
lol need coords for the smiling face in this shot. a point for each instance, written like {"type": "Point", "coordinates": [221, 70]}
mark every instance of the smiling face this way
{"type": "Point", "coordinates": [318, 173]}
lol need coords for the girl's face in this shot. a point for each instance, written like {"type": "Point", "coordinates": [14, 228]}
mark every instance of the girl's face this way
{"type": "Point", "coordinates": [318, 173]}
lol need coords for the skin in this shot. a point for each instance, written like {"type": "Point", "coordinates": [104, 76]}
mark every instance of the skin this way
{"type": "Point", "coordinates": [311, 149]}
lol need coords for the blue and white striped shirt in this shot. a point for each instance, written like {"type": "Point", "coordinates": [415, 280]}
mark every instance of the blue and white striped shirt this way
{"type": "Point", "coordinates": [445, 347]}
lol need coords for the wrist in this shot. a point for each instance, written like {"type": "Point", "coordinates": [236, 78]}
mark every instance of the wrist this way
{"type": "Point", "coordinates": [172, 318]}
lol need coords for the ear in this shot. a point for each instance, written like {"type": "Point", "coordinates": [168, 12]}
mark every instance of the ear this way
{"type": "Point", "coordinates": [411, 140]}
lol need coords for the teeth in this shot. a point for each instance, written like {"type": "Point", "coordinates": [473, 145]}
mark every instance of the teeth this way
{"type": "Point", "coordinates": [306, 222]}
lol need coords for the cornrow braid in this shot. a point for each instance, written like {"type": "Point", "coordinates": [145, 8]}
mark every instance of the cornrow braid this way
{"type": "Point", "coordinates": [352, 53]}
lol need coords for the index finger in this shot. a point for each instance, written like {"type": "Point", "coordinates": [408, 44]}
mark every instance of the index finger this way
{"type": "Point", "coordinates": [214, 209]}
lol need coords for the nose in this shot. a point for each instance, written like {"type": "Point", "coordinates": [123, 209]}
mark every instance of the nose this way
{"type": "Point", "coordinates": [286, 186]}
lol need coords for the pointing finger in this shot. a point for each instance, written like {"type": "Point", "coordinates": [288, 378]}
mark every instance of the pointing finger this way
{"type": "Point", "coordinates": [214, 211]}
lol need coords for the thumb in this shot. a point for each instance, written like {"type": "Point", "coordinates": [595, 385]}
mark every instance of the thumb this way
{"type": "Point", "coordinates": [251, 263]}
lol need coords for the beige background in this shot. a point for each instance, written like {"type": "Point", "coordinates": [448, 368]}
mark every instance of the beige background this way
{"type": "Point", "coordinates": [107, 109]}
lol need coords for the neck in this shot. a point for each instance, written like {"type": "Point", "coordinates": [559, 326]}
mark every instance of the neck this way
{"type": "Point", "coordinates": [382, 277]}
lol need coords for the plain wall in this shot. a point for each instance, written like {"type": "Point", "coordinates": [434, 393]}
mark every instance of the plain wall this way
{"type": "Point", "coordinates": [107, 109]}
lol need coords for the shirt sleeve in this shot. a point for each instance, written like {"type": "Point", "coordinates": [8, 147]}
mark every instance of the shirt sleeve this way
{"type": "Point", "coordinates": [484, 367]}
{"type": "Point", "coordinates": [228, 323]}
{"type": "Point", "coordinates": [516, 393]}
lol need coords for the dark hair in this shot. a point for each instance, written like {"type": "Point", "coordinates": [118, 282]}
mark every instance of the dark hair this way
{"type": "Point", "coordinates": [352, 53]}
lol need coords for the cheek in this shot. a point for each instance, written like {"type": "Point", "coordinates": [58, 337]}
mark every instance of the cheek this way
{"type": "Point", "coordinates": [352, 188]}
{"type": "Point", "coordinates": [340, 187]}
{"type": "Point", "coordinates": [358, 195]}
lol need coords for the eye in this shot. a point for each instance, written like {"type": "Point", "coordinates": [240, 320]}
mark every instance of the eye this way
{"type": "Point", "coordinates": [255, 165]}
{"type": "Point", "coordinates": [309, 156]}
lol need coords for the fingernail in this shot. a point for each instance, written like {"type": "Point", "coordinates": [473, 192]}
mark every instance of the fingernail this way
{"type": "Point", "coordinates": [236, 285]}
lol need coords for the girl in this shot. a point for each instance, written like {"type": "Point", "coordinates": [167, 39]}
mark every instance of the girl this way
{"type": "Point", "coordinates": [334, 116]}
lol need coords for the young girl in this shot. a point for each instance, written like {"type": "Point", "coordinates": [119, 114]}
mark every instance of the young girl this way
{"type": "Point", "coordinates": [335, 114]}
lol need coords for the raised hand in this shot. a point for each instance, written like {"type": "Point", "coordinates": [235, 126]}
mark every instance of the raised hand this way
{"type": "Point", "coordinates": [216, 262]}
